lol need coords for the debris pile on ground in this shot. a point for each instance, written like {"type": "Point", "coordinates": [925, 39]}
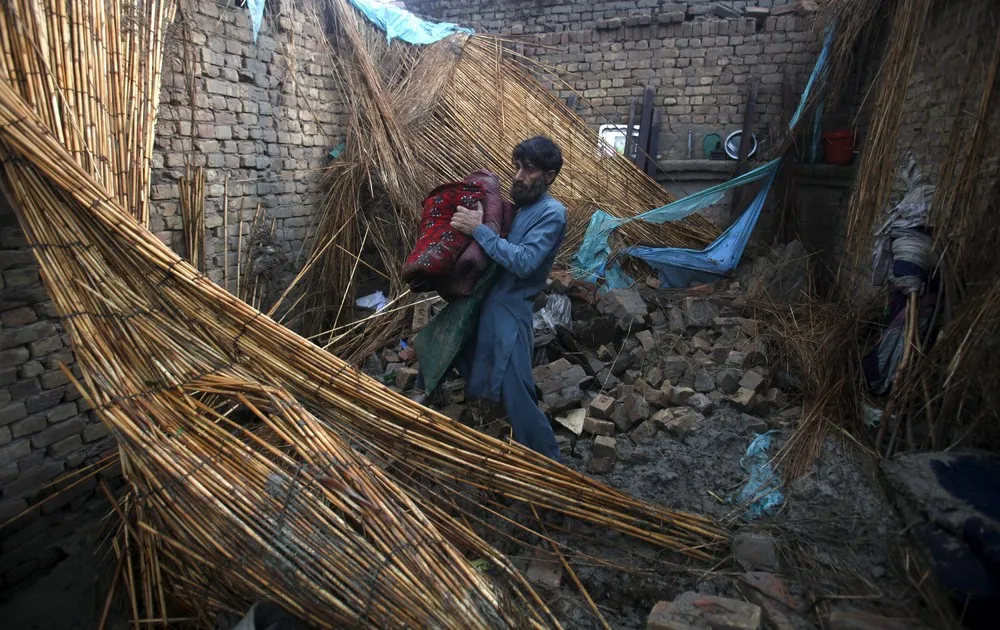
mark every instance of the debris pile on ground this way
{"type": "Point", "coordinates": [660, 392]}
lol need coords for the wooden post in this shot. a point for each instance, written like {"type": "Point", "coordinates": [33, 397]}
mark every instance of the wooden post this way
{"type": "Point", "coordinates": [785, 185]}
{"type": "Point", "coordinates": [645, 122]}
{"type": "Point", "coordinates": [654, 143]}
{"type": "Point", "coordinates": [629, 125]}
{"type": "Point", "coordinates": [745, 142]}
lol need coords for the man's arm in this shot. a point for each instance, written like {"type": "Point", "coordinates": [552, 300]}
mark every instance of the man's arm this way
{"type": "Point", "coordinates": [524, 258]}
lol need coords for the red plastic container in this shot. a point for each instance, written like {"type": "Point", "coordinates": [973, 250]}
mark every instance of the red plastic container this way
{"type": "Point", "coordinates": [838, 147]}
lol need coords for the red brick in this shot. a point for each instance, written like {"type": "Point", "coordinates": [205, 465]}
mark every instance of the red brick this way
{"type": "Point", "coordinates": [694, 610]}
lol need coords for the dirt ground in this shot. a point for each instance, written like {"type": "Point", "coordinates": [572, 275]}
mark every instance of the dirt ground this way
{"type": "Point", "coordinates": [836, 532]}
{"type": "Point", "coordinates": [70, 595]}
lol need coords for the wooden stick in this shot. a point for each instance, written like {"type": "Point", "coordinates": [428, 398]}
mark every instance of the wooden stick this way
{"type": "Point", "coordinates": [746, 139]}
{"type": "Point", "coordinates": [225, 234]}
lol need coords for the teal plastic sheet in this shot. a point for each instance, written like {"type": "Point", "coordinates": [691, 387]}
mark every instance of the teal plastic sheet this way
{"type": "Point", "coordinates": [256, 8]}
{"type": "Point", "coordinates": [591, 261]}
{"type": "Point", "coordinates": [397, 22]}
{"type": "Point", "coordinates": [816, 77]}
{"type": "Point", "coordinates": [680, 267]}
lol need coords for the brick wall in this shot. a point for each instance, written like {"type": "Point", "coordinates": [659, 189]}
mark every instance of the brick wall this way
{"type": "Point", "coordinates": [266, 113]}
{"type": "Point", "coordinates": [699, 63]}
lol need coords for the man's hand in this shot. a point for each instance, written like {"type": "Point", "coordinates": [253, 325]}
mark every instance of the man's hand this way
{"type": "Point", "coordinates": [465, 220]}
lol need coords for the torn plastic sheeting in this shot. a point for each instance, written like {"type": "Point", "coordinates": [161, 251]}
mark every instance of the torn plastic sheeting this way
{"type": "Point", "coordinates": [256, 8]}
{"type": "Point", "coordinates": [556, 312]}
{"type": "Point", "coordinates": [591, 260]}
{"type": "Point", "coordinates": [397, 22]}
{"type": "Point", "coordinates": [375, 300]}
{"type": "Point", "coordinates": [817, 75]}
{"type": "Point", "coordinates": [761, 492]}
{"type": "Point", "coordinates": [679, 267]}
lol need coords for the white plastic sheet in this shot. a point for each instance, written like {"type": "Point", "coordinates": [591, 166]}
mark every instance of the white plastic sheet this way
{"type": "Point", "coordinates": [558, 311]}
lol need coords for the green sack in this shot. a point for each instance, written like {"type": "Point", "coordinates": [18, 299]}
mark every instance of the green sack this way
{"type": "Point", "coordinates": [445, 336]}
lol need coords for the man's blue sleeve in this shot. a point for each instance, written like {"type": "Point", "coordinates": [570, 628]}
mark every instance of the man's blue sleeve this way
{"type": "Point", "coordinates": [524, 258]}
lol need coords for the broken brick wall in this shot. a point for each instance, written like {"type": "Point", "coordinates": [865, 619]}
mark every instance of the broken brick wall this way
{"type": "Point", "coordinates": [699, 57]}
{"type": "Point", "coordinates": [267, 113]}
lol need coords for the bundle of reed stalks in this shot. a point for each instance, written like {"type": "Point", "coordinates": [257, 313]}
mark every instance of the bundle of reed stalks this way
{"type": "Point", "coordinates": [820, 343]}
{"type": "Point", "coordinates": [260, 465]}
{"type": "Point", "coordinates": [877, 171]}
{"type": "Point", "coordinates": [946, 393]}
{"type": "Point", "coordinates": [424, 115]}
{"type": "Point", "coordinates": [191, 187]}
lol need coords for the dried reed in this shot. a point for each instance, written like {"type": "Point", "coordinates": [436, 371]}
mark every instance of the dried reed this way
{"type": "Point", "coordinates": [260, 466]}
{"type": "Point", "coordinates": [800, 334]}
{"type": "Point", "coordinates": [191, 187]}
{"type": "Point", "coordinates": [877, 172]}
{"type": "Point", "coordinates": [945, 393]}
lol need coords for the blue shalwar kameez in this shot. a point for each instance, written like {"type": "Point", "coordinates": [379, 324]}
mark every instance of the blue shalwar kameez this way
{"type": "Point", "coordinates": [497, 365]}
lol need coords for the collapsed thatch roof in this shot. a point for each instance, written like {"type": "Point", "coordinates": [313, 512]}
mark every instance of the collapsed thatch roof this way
{"type": "Point", "coordinates": [422, 115]}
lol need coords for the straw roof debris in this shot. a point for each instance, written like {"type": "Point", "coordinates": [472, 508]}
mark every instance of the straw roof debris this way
{"type": "Point", "coordinates": [423, 115]}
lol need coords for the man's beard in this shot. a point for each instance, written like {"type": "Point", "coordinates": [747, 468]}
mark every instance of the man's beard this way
{"type": "Point", "coordinates": [524, 195]}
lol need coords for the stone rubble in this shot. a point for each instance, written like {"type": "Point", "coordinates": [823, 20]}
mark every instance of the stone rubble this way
{"type": "Point", "coordinates": [603, 455]}
{"type": "Point", "coordinates": [545, 570]}
{"type": "Point", "coordinates": [642, 363]}
{"type": "Point", "coordinates": [639, 367]}
{"type": "Point", "coordinates": [755, 551]}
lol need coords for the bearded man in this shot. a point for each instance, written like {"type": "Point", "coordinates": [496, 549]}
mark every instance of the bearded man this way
{"type": "Point", "coordinates": [497, 363]}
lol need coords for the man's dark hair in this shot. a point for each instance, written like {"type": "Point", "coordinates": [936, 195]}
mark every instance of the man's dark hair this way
{"type": "Point", "coordinates": [539, 152]}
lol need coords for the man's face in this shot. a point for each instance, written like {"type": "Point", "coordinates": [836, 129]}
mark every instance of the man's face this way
{"type": "Point", "coordinates": [529, 183]}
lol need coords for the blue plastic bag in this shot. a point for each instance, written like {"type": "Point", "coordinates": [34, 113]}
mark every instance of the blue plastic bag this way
{"type": "Point", "coordinates": [761, 491]}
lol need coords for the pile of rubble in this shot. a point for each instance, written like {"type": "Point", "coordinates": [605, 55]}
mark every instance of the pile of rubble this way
{"type": "Point", "coordinates": [637, 367]}
{"type": "Point", "coordinates": [633, 363]}
{"type": "Point", "coordinates": [660, 392]}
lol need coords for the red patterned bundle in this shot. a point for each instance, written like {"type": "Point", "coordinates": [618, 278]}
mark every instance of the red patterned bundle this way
{"type": "Point", "coordinates": [445, 260]}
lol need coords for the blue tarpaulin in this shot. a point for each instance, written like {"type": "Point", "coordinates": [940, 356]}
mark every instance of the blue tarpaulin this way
{"type": "Point", "coordinates": [397, 22]}
{"type": "Point", "coordinates": [680, 267]}
{"type": "Point", "coordinates": [591, 261]}
{"type": "Point", "coordinates": [818, 74]}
